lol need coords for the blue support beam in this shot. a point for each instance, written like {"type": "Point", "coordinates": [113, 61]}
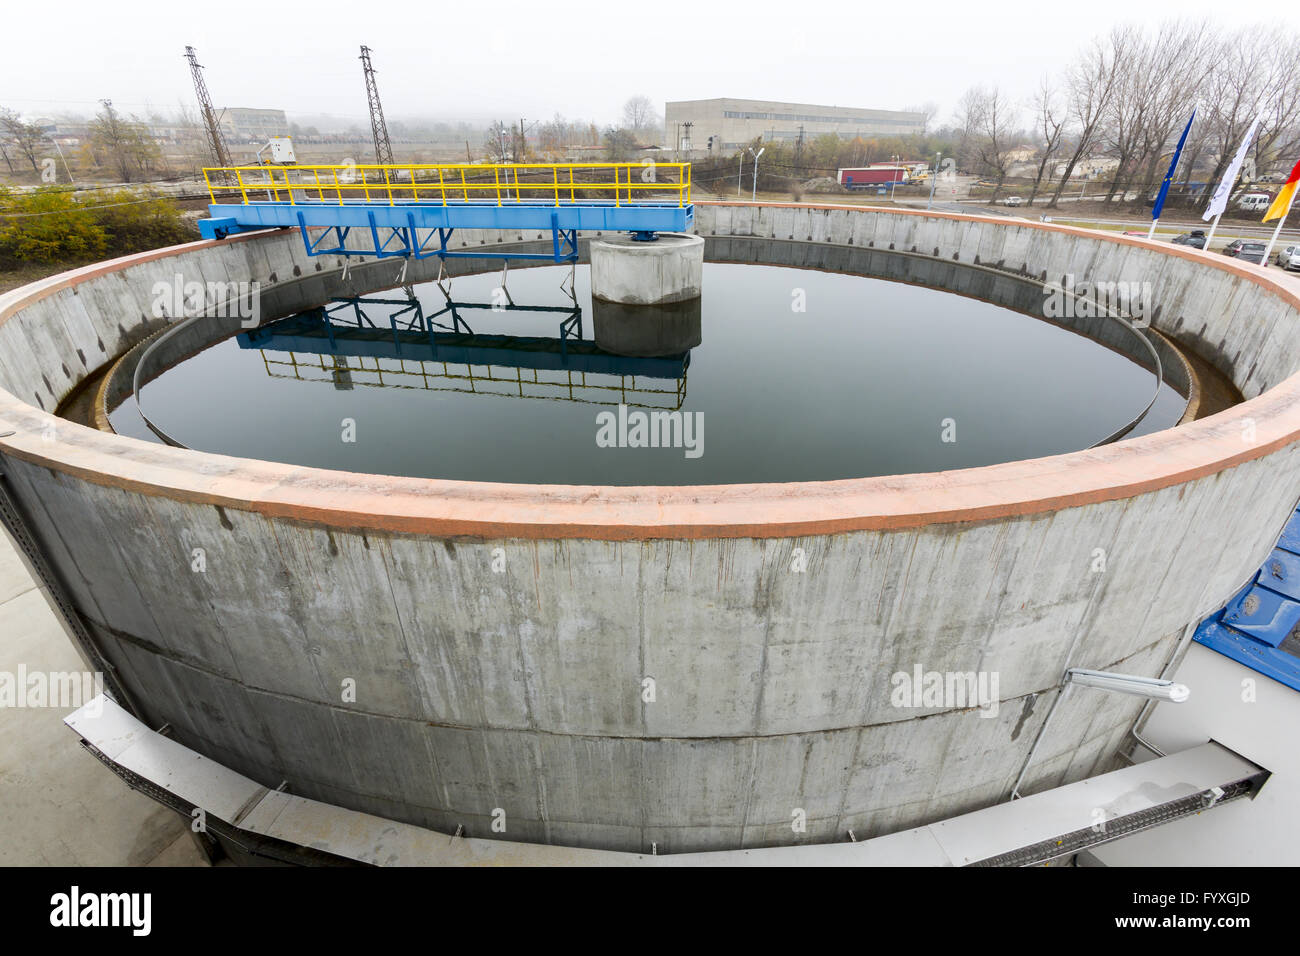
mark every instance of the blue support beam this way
{"type": "Point", "coordinates": [395, 229]}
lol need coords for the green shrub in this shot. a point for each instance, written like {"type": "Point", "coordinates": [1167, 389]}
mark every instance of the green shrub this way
{"type": "Point", "coordinates": [49, 226]}
{"type": "Point", "coordinates": [55, 225]}
{"type": "Point", "coordinates": [136, 223]}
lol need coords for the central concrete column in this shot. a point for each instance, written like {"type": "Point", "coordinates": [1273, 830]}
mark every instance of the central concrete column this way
{"type": "Point", "coordinates": [669, 268]}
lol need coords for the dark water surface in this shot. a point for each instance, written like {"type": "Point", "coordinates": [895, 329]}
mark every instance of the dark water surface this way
{"type": "Point", "coordinates": [863, 382]}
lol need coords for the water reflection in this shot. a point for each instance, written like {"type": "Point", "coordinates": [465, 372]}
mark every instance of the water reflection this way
{"type": "Point", "coordinates": [643, 330]}
{"type": "Point", "coordinates": [857, 385]}
{"type": "Point", "coordinates": [639, 355]}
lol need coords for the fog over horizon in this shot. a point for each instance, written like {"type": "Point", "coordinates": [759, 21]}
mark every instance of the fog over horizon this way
{"type": "Point", "coordinates": [516, 60]}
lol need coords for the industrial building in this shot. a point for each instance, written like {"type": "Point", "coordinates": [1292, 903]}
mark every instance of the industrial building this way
{"type": "Point", "coordinates": [249, 125]}
{"type": "Point", "coordinates": [724, 125]}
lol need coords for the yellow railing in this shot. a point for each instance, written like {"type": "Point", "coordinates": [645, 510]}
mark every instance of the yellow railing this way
{"type": "Point", "coordinates": [456, 183]}
{"type": "Point", "coordinates": [568, 385]}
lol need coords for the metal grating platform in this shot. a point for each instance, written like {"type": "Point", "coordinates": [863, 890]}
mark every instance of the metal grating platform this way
{"type": "Point", "coordinates": [1260, 626]}
{"type": "Point", "coordinates": [1034, 829]}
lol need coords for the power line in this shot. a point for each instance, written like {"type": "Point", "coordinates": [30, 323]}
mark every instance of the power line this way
{"type": "Point", "coordinates": [107, 205]}
{"type": "Point", "coordinates": [109, 186]}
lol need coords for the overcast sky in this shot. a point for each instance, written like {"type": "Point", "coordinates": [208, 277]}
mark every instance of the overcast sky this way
{"type": "Point", "coordinates": [504, 58]}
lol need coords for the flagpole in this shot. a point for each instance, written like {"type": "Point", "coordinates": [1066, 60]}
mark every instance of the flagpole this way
{"type": "Point", "coordinates": [1278, 231]}
{"type": "Point", "coordinates": [1213, 227]}
{"type": "Point", "coordinates": [1159, 205]}
{"type": "Point", "coordinates": [1229, 181]}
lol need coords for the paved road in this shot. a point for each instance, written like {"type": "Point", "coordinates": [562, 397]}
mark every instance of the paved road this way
{"type": "Point", "coordinates": [61, 806]}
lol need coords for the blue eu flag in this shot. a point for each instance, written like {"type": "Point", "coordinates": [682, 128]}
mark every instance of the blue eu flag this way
{"type": "Point", "coordinates": [1173, 165]}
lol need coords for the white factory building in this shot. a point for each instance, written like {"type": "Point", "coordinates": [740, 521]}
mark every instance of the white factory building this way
{"type": "Point", "coordinates": [698, 127]}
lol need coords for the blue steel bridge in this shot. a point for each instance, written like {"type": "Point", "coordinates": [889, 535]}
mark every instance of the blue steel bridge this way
{"type": "Point", "coordinates": [411, 210]}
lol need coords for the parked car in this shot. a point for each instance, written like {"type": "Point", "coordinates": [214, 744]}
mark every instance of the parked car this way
{"type": "Point", "coordinates": [1288, 258]}
{"type": "Point", "coordinates": [1245, 250]}
{"type": "Point", "coordinates": [1014, 201]}
{"type": "Point", "coordinates": [1195, 239]}
{"type": "Point", "coordinates": [1255, 202]}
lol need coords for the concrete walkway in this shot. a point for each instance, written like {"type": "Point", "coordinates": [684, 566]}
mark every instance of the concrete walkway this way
{"type": "Point", "coordinates": [59, 806]}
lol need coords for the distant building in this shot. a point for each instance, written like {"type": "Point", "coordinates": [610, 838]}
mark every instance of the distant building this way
{"type": "Point", "coordinates": [583, 154]}
{"type": "Point", "coordinates": [63, 133]}
{"type": "Point", "coordinates": [170, 133]}
{"type": "Point", "coordinates": [733, 124]}
{"type": "Point", "coordinates": [1091, 168]}
{"type": "Point", "coordinates": [243, 125]}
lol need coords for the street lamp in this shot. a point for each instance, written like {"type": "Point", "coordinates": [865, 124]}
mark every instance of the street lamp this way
{"type": "Point", "coordinates": [62, 157]}
{"type": "Point", "coordinates": [934, 179]}
{"type": "Point", "coordinates": [761, 150]}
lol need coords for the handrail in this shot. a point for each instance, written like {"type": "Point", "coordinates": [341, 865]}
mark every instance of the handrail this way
{"type": "Point", "coordinates": [525, 183]}
{"type": "Point", "coordinates": [1160, 380]}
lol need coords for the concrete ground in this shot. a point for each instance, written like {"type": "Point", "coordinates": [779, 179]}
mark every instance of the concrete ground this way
{"type": "Point", "coordinates": [61, 806]}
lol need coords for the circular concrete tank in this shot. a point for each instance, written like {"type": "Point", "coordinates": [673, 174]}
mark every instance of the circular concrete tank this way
{"type": "Point", "coordinates": [500, 638]}
{"type": "Point", "coordinates": [631, 271]}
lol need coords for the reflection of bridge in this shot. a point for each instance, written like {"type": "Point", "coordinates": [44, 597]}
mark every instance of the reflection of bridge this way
{"type": "Point", "coordinates": [411, 210]}
{"type": "Point", "coordinates": [342, 344]}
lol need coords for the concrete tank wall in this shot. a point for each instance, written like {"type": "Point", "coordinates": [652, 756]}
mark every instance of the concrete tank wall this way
{"type": "Point", "coordinates": [521, 688]}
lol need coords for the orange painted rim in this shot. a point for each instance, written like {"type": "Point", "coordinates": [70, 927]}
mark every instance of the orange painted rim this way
{"type": "Point", "coordinates": [442, 508]}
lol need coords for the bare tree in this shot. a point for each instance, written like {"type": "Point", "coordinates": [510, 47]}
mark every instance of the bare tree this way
{"type": "Point", "coordinates": [499, 142]}
{"type": "Point", "coordinates": [639, 115]}
{"type": "Point", "coordinates": [1180, 59]}
{"type": "Point", "coordinates": [1235, 93]}
{"type": "Point", "coordinates": [1050, 127]}
{"type": "Point", "coordinates": [929, 110]}
{"type": "Point", "coordinates": [1279, 134]}
{"type": "Point", "coordinates": [1091, 83]}
{"type": "Point", "coordinates": [620, 144]}
{"type": "Point", "coordinates": [193, 139]}
{"type": "Point", "coordinates": [25, 137]}
{"type": "Point", "coordinates": [986, 119]}
{"type": "Point", "coordinates": [1126, 119]}
{"type": "Point", "coordinates": [127, 143]}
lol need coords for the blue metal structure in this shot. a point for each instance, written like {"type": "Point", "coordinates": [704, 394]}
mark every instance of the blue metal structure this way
{"type": "Point", "coordinates": [346, 328]}
{"type": "Point", "coordinates": [409, 214]}
{"type": "Point", "coordinates": [1260, 626]}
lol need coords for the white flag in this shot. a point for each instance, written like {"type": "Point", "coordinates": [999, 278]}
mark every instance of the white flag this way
{"type": "Point", "coordinates": [1220, 200]}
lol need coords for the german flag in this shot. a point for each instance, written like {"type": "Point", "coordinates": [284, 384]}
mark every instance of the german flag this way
{"type": "Point", "coordinates": [1284, 196]}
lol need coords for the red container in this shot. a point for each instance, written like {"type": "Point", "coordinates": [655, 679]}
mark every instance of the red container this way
{"type": "Point", "coordinates": [863, 177]}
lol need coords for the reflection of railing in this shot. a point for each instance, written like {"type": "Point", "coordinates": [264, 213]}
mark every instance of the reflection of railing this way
{"type": "Point", "coordinates": [550, 184]}
{"type": "Point", "coordinates": [345, 372]}
{"type": "Point", "coordinates": [343, 344]}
